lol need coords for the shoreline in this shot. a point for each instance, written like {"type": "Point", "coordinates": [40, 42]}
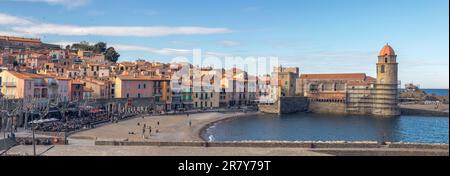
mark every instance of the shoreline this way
{"type": "Point", "coordinates": [203, 130]}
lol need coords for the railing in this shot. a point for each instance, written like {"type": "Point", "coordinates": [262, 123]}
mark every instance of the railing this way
{"type": "Point", "coordinates": [8, 84]}
{"type": "Point", "coordinates": [39, 84]}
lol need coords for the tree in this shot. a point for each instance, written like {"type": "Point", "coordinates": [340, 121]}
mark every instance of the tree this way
{"type": "Point", "coordinates": [112, 55]}
{"type": "Point", "coordinates": [82, 46]}
{"type": "Point", "coordinates": [100, 47]}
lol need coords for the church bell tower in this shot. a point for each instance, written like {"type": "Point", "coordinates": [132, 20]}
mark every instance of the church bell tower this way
{"type": "Point", "coordinates": [387, 66]}
{"type": "Point", "coordinates": [386, 87]}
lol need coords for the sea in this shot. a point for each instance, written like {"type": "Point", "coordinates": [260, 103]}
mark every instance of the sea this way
{"type": "Point", "coordinates": [320, 127]}
{"type": "Point", "coordinates": [439, 92]}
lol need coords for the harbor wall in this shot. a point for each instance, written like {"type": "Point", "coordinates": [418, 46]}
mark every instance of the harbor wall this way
{"type": "Point", "coordinates": [422, 112]}
{"type": "Point", "coordinates": [286, 105]}
{"type": "Point", "coordinates": [327, 107]}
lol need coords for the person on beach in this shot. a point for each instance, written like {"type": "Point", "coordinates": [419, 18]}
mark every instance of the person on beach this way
{"type": "Point", "coordinates": [143, 133]}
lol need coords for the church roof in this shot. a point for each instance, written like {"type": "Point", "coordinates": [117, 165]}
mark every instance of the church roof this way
{"type": "Point", "coordinates": [387, 51]}
{"type": "Point", "coordinates": [339, 76]}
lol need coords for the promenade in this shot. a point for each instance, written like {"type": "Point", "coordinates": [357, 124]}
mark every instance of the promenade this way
{"type": "Point", "coordinates": [176, 129]}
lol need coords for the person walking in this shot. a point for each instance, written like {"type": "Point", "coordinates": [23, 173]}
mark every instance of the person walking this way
{"type": "Point", "coordinates": [190, 123]}
{"type": "Point", "coordinates": [143, 133]}
{"type": "Point", "coordinates": [150, 131]}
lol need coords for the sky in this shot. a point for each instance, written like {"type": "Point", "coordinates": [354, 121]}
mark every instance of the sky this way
{"type": "Point", "coordinates": [318, 36]}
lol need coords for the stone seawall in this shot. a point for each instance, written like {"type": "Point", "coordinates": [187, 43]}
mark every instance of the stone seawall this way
{"type": "Point", "coordinates": [286, 105]}
{"type": "Point", "coordinates": [327, 107]}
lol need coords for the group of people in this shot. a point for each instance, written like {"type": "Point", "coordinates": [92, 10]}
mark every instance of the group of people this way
{"type": "Point", "coordinates": [72, 124]}
{"type": "Point", "coordinates": [149, 128]}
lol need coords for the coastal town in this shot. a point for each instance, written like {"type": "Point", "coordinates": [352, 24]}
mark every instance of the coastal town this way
{"type": "Point", "coordinates": [57, 92]}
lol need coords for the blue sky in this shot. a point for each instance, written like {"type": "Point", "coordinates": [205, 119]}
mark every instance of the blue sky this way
{"type": "Point", "coordinates": [319, 36]}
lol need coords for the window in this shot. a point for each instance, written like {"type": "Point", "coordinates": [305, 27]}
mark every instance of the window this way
{"type": "Point", "coordinates": [139, 95]}
{"type": "Point", "coordinates": [145, 85]}
{"type": "Point", "coordinates": [128, 95]}
{"type": "Point", "coordinates": [385, 60]}
{"type": "Point", "coordinates": [382, 69]}
{"type": "Point", "coordinates": [210, 104]}
{"type": "Point", "coordinates": [139, 86]}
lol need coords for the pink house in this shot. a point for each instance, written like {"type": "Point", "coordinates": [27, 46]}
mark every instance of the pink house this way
{"type": "Point", "coordinates": [21, 85]}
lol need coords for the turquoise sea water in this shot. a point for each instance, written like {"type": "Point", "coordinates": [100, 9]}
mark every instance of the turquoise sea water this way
{"type": "Point", "coordinates": [316, 127]}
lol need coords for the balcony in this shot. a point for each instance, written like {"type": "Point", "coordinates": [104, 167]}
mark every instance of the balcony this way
{"type": "Point", "coordinates": [8, 84]}
{"type": "Point", "coordinates": [39, 84]}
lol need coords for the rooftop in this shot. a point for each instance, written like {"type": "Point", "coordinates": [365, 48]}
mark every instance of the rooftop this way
{"type": "Point", "coordinates": [140, 78]}
{"type": "Point", "coordinates": [336, 76]}
{"type": "Point", "coordinates": [387, 51]}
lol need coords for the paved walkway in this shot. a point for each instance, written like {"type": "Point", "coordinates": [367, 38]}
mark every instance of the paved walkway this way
{"type": "Point", "coordinates": [71, 150]}
{"type": "Point", "coordinates": [82, 150]}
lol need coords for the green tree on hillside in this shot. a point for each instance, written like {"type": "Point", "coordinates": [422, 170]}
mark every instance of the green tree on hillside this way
{"type": "Point", "coordinates": [112, 55]}
{"type": "Point", "coordinates": [100, 47]}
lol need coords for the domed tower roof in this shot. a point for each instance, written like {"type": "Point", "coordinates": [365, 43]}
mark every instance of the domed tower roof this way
{"type": "Point", "coordinates": [387, 51]}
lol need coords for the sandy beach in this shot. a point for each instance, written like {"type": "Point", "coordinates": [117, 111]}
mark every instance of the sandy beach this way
{"type": "Point", "coordinates": [173, 128]}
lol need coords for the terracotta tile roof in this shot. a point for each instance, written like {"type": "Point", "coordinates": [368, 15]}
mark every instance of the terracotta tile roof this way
{"type": "Point", "coordinates": [62, 78]}
{"type": "Point", "coordinates": [26, 76]}
{"type": "Point", "coordinates": [127, 64]}
{"type": "Point", "coordinates": [141, 78]}
{"type": "Point", "coordinates": [387, 51]}
{"type": "Point", "coordinates": [338, 76]}
{"type": "Point", "coordinates": [371, 79]}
